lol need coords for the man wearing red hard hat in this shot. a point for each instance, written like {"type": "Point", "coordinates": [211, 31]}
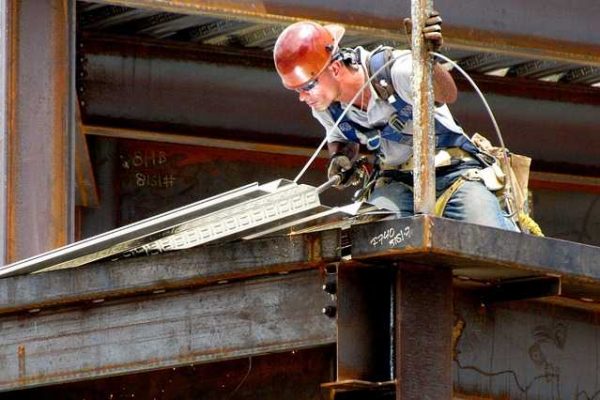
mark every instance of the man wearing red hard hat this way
{"type": "Point", "coordinates": [330, 79]}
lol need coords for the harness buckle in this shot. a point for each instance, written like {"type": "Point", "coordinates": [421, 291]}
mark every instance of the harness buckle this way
{"type": "Point", "coordinates": [396, 123]}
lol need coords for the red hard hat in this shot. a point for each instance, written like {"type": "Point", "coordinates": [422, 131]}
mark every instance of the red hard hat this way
{"type": "Point", "coordinates": [303, 50]}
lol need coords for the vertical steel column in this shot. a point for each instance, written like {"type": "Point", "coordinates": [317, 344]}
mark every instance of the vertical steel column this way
{"type": "Point", "coordinates": [364, 334]}
{"type": "Point", "coordinates": [4, 49]}
{"type": "Point", "coordinates": [37, 126]}
{"type": "Point", "coordinates": [424, 333]}
{"type": "Point", "coordinates": [424, 136]}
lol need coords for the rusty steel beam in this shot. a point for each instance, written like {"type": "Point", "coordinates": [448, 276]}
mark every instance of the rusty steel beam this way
{"type": "Point", "coordinates": [537, 180]}
{"type": "Point", "coordinates": [87, 191]}
{"type": "Point", "coordinates": [423, 337]}
{"type": "Point", "coordinates": [143, 275]}
{"type": "Point", "coordinates": [164, 330]}
{"type": "Point", "coordinates": [524, 350]}
{"type": "Point", "coordinates": [529, 112]}
{"type": "Point", "coordinates": [423, 126]}
{"type": "Point", "coordinates": [364, 324]}
{"type": "Point", "coordinates": [289, 375]}
{"type": "Point", "coordinates": [514, 85]}
{"type": "Point", "coordinates": [528, 29]}
{"type": "Point", "coordinates": [4, 147]}
{"type": "Point", "coordinates": [528, 88]}
{"type": "Point", "coordinates": [480, 253]}
{"type": "Point", "coordinates": [38, 128]}
{"type": "Point", "coordinates": [564, 182]}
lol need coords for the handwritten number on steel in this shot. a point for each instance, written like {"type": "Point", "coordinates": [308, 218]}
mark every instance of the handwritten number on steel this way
{"type": "Point", "coordinates": [391, 237]}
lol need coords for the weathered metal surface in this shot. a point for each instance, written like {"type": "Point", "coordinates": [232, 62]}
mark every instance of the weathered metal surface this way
{"type": "Point", "coordinates": [38, 129]}
{"type": "Point", "coordinates": [422, 102]}
{"type": "Point", "coordinates": [365, 325]}
{"type": "Point", "coordinates": [514, 85]}
{"type": "Point", "coordinates": [360, 390]}
{"type": "Point", "coordinates": [540, 28]}
{"type": "Point", "coordinates": [123, 87]}
{"type": "Point", "coordinates": [289, 375]}
{"type": "Point", "coordinates": [86, 190]}
{"type": "Point", "coordinates": [525, 350]}
{"type": "Point", "coordinates": [172, 329]}
{"type": "Point", "coordinates": [480, 253]}
{"type": "Point", "coordinates": [246, 212]}
{"type": "Point", "coordinates": [424, 316]}
{"type": "Point", "coordinates": [189, 268]}
{"type": "Point", "coordinates": [520, 289]}
{"type": "Point", "coordinates": [4, 147]}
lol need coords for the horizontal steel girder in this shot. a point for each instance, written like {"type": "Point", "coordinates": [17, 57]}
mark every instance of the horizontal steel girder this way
{"type": "Point", "coordinates": [480, 253]}
{"type": "Point", "coordinates": [537, 28]}
{"type": "Point", "coordinates": [164, 330]}
{"type": "Point", "coordinates": [121, 84]}
{"type": "Point", "coordinates": [541, 345]}
{"type": "Point", "coordinates": [144, 275]}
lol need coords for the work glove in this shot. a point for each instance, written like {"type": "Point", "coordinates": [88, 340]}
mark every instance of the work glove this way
{"type": "Point", "coordinates": [432, 32]}
{"type": "Point", "coordinates": [341, 165]}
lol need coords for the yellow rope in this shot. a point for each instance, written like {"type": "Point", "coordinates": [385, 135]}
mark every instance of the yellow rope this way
{"type": "Point", "coordinates": [528, 223]}
{"type": "Point", "coordinates": [525, 221]}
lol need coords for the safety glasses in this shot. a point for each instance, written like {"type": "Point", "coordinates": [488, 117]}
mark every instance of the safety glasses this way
{"type": "Point", "coordinates": [309, 86]}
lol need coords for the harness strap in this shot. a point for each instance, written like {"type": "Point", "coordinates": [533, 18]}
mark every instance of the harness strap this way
{"type": "Point", "coordinates": [442, 201]}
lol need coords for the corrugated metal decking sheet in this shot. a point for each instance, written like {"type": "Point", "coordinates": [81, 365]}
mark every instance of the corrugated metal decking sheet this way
{"type": "Point", "coordinates": [246, 212]}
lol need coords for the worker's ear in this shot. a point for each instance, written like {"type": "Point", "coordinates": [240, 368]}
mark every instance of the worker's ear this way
{"type": "Point", "coordinates": [335, 68]}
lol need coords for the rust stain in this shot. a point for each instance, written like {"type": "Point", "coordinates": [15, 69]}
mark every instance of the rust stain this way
{"type": "Point", "coordinates": [428, 233]}
{"type": "Point", "coordinates": [11, 128]}
{"type": "Point", "coordinates": [23, 133]}
{"type": "Point", "coordinates": [457, 331]}
{"type": "Point", "coordinates": [21, 358]}
{"type": "Point", "coordinates": [59, 94]}
{"type": "Point", "coordinates": [313, 247]}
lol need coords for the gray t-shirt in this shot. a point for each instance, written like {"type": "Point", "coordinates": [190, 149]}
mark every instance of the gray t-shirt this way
{"type": "Point", "coordinates": [379, 111]}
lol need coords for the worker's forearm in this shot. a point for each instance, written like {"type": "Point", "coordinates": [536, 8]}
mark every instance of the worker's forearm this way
{"type": "Point", "coordinates": [444, 87]}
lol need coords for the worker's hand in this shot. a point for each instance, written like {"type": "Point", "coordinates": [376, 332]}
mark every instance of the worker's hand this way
{"type": "Point", "coordinates": [432, 31]}
{"type": "Point", "coordinates": [341, 165]}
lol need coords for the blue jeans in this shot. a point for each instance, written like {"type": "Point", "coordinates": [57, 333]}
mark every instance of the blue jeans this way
{"type": "Point", "coordinates": [472, 202]}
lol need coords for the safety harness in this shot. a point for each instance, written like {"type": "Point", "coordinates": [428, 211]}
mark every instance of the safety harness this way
{"type": "Point", "coordinates": [393, 130]}
{"type": "Point", "coordinates": [457, 144]}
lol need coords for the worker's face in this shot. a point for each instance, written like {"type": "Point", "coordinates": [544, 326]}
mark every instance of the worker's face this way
{"type": "Point", "coordinates": [322, 91]}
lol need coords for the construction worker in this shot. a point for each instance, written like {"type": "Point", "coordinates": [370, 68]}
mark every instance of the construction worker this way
{"type": "Point", "coordinates": [327, 78]}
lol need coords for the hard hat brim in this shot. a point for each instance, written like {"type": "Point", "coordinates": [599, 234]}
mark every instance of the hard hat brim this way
{"type": "Point", "coordinates": [337, 31]}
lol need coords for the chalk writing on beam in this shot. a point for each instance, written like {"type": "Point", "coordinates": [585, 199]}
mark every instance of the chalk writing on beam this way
{"type": "Point", "coordinates": [391, 237]}
{"type": "Point", "coordinates": [154, 180]}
